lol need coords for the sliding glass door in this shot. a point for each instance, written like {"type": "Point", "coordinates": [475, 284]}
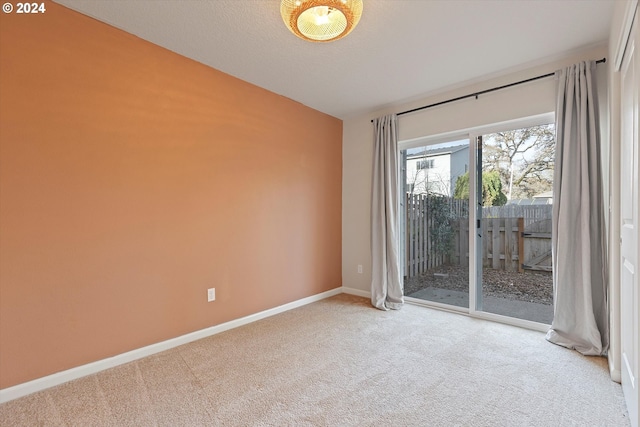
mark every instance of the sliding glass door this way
{"type": "Point", "coordinates": [514, 176]}
{"type": "Point", "coordinates": [476, 220]}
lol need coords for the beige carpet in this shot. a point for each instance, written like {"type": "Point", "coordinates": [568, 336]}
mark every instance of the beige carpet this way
{"type": "Point", "coordinates": [340, 362]}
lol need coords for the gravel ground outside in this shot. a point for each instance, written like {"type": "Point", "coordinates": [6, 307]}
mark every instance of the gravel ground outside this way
{"type": "Point", "coordinates": [530, 286]}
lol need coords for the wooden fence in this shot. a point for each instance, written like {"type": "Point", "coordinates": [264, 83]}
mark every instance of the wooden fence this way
{"type": "Point", "coordinates": [530, 213]}
{"type": "Point", "coordinates": [507, 232]}
{"type": "Point", "coordinates": [423, 239]}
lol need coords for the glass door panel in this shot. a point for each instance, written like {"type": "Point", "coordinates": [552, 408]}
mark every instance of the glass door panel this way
{"type": "Point", "coordinates": [435, 217]}
{"type": "Point", "coordinates": [514, 193]}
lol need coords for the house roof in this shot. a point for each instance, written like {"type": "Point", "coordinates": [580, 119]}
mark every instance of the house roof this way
{"type": "Point", "coordinates": [438, 151]}
{"type": "Point", "coordinates": [544, 195]}
{"type": "Point", "coordinates": [399, 51]}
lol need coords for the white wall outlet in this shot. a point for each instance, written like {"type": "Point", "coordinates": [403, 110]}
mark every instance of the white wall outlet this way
{"type": "Point", "coordinates": [211, 294]}
{"type": "Point", "coordinates": [360, 268]}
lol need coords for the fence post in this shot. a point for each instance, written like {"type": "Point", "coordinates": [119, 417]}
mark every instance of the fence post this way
{"type": "Point", "coordinates": [521, 245]}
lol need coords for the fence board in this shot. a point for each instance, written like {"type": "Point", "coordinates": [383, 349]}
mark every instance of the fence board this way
{"type": "Point", "coordinates": [463, 241]}
{"type": "Point", "coordinates": [410, 254]}
{"type": "Point", "coordinates": [508, 249]}
{"type": "Point", "coordinates": [486, 244]}
{"type": "Point", "coordinates": [422, 239]}
{"type": "Point", "coordinates": [495, 243]}
{"type": "Point", "coordinates": [520, 245]}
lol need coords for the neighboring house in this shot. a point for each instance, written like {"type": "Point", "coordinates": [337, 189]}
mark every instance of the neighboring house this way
{"type": "Point", "coordinates": [436, 170]}
{"type": "Point", "coordinates": [545, 198]}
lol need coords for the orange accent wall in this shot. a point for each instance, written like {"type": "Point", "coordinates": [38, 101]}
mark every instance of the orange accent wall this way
{"type": "Point", "coordinates": [132, 179]}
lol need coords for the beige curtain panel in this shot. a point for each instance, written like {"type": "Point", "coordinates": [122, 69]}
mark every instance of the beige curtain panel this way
{"type": "Point", "coordinates": [386, 283]}
{"type": "Point", "coordinates": [580, 319]}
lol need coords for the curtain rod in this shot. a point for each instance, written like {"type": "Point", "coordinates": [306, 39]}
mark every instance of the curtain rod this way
{"type": "Point", "coordinates": [476, 94]}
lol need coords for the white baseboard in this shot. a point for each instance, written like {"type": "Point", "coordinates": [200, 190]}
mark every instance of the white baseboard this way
{"type": "Point", "coordinates": [357, 292]}
{"type": "Point", "coordinates": [58, 378]}
{"type": "Point", "coordinates": [616, 374]}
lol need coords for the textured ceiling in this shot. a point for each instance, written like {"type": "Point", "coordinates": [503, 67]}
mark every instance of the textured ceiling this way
{"type": "Point", "coordinates": [400, 49]}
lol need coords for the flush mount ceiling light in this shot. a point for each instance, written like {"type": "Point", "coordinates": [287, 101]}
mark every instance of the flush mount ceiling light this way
{"type": "Point", "coordinates": [321, 20]}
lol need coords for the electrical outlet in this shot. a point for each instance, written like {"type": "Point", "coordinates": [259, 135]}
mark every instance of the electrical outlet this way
{"type": "Point", "coordinates": [360, 268]}
{"type": "Point", "coordinates": [211, 294]}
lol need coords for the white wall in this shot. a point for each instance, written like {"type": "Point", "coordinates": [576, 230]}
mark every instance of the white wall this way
{"type": "Point", "coordinates": [519, 101]}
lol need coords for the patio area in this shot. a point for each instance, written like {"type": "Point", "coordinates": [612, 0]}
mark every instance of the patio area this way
{"type": "Point", "coordinates": [527, 295]}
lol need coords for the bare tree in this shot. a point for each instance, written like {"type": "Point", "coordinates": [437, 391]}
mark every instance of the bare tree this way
{"type": "Point", "coordinates": [524, 158]}
{"type": "Point", "coordinates": [425, 181]}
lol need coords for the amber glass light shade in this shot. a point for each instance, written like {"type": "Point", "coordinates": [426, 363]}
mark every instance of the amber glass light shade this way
{"type": "Point", "coordinates": [321, 20]}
